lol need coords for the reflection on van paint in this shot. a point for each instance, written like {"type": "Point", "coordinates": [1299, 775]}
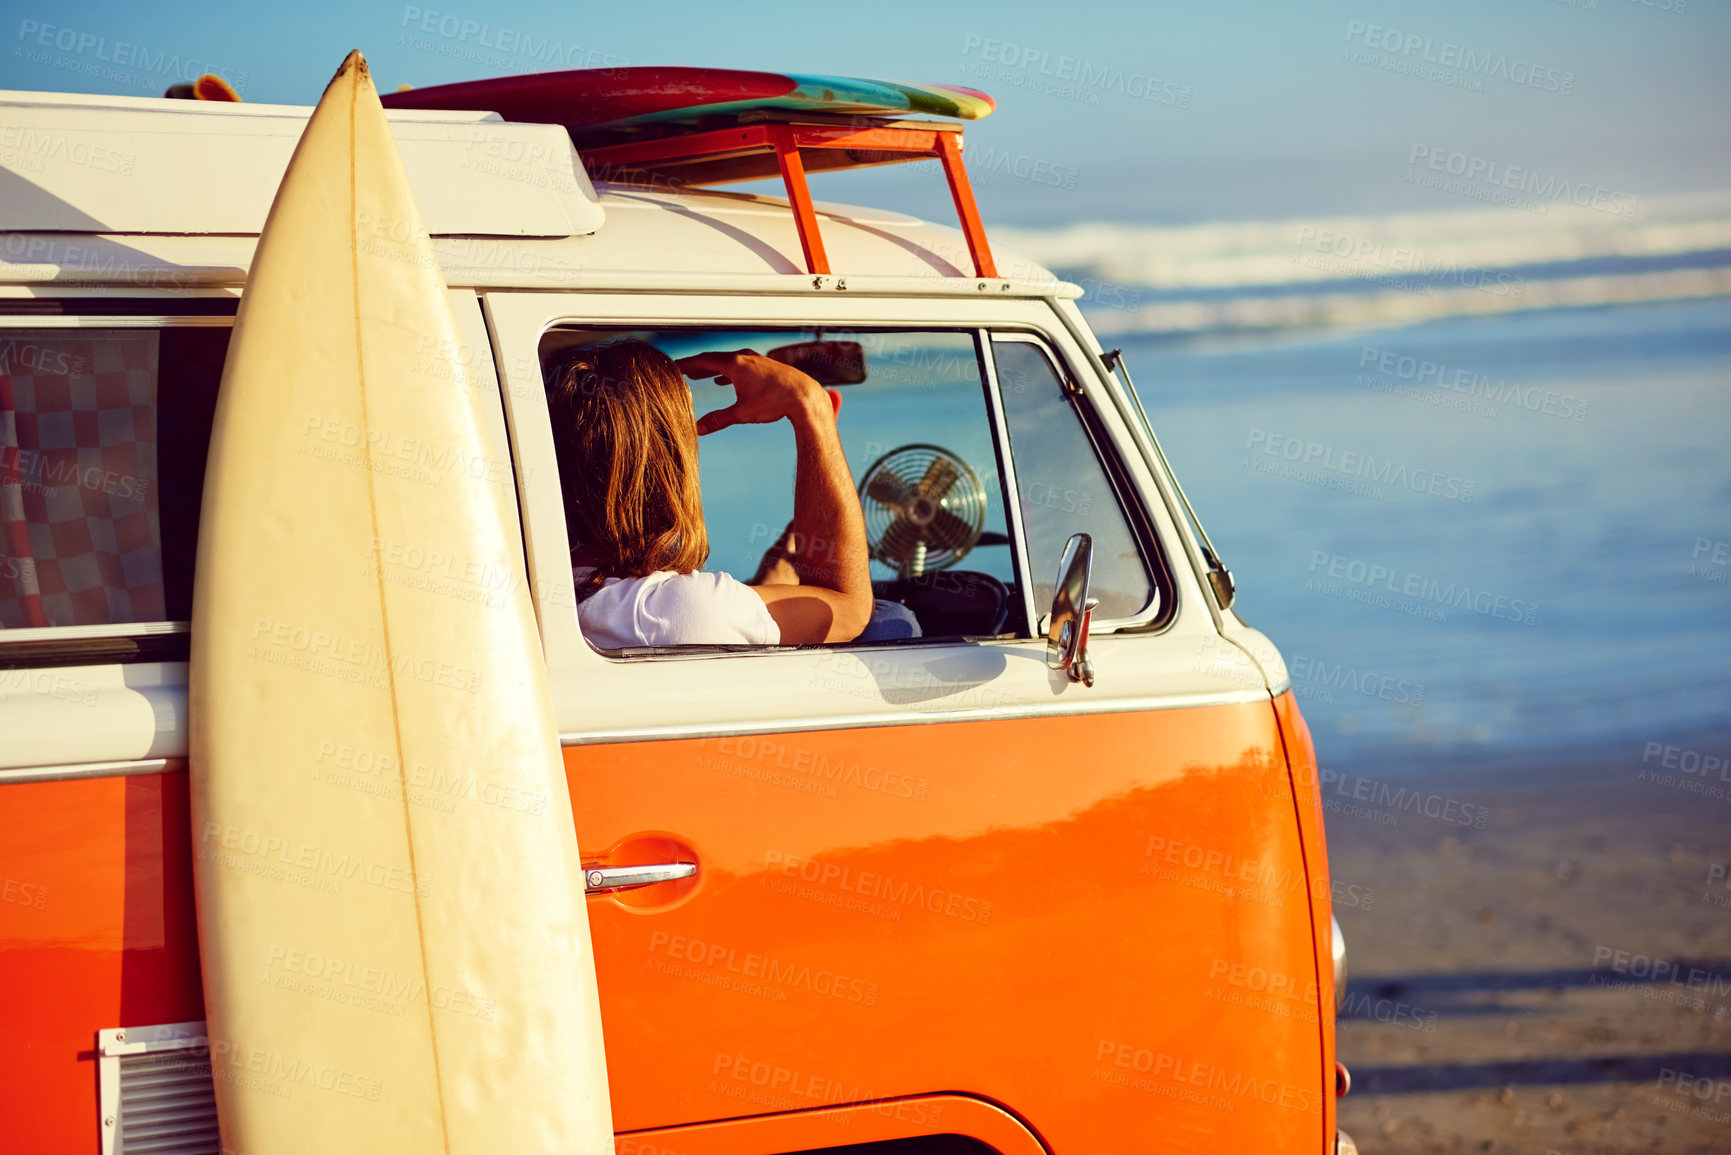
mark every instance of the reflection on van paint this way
{"type": "Point", "coordinates": [1222, 1088]}
{"type": "Point", "coordinates": [768, 1082]}
{"type": "Point", "coordinates": [881, 895]}
{"type": "Point", "coordinates": [780, 761]}
{"type": "Point", "coordinates": [780, 976]}
{"type": "Point", "coordinates": [30, 895]}
{"type": "Point", "coordinates": [1003, 806]}
{"type": "Point", "coordinates": [918, 686]}
{"type": "Point", "coordinates": [1301, 991]}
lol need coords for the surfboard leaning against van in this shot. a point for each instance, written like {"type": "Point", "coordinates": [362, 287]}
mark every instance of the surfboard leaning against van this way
{"type": "Point", "coordinates": [970, 890]}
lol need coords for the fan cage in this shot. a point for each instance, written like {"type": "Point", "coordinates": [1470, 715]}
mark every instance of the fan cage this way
{"type": "Point", "coordinates": [926, 540]}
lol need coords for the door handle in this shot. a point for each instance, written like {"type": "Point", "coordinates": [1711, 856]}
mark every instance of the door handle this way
{"type": "Point", "coordinates": [606, 879]}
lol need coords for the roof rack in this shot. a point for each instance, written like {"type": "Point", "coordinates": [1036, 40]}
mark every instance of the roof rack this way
{"type": "Point", "coordinates": [756, 151]}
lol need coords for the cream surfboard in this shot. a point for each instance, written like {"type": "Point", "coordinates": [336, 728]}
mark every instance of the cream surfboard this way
{"type": "Point", "coordinates": [391, 911]}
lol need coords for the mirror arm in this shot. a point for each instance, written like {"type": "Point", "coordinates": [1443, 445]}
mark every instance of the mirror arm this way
{"type": "Point", "coordinates": [1082, 668]}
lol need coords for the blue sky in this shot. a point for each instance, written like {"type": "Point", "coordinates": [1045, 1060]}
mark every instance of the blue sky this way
{"type": "Point", "coordinates": [1230, 110]}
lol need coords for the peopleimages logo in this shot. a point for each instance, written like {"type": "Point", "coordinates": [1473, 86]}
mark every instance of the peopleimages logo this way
{"type": "Point", "coordinates": [878, 887]}
{"type": "Point", "coordinates": [1373, 577]}
{"type": "Point", "coordinates": [459, 33]}
{"type": "Point", "coordinates": [1414, 48]}
{"type": "Point", "coordinates": [1695, 770]}
{"type": "Point", "coordinates": [1717, 566]}
{"type": "Point", "coordinates": [1228, 1087]}
{"type": "Point", "coordinates": [1353, 464]}
{"type": "Point", "coordinates": [1073, 76]}
{"type": "Point", "coordinates": [1349, 678]}
{"type": "Point", "coordinates": [1356, 253]}
{"type": "Point", "coordinates": [90, 51]}
{"type": "Point", "coordinates": [1420, 372]}
{"type": "Point", "coordinates": [93, 264]}
{"type": "Point", "coordinates": [34, 146]}
{"type": "Point", "coordinates": [1395, 799]}
{"type": "Point", "coordinates": [1515, 178]}
{"type": "Point", "coordinates": [1670, 972]}
{"type": "Point", "coordinates": [986, 162]}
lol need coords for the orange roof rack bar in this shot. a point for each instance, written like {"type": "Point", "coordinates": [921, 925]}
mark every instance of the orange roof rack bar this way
{"type": "Point", "coordinates": [732, 154]}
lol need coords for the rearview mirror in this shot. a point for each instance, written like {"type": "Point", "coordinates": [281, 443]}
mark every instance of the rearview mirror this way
{"type": "Point", "coordinates": [1067, 625]}
{"type": "Point", "coordinates": [826, 362]}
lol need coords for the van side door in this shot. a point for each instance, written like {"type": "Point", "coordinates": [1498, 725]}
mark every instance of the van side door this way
{"type": "Point", "coordinates": [936, 865]}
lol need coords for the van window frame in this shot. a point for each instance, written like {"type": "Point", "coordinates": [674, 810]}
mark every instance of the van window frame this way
{"type": "Point", "coordinates": [1155, 617]}
{"type": "Point", "coordinates": [1158, 612]}
{"type": "Point", "coordinates": [797, 688]}
{"type": "Point", "coordinates": [168, 640]}
{"type": "Point", "coordinates": [1000, 442]}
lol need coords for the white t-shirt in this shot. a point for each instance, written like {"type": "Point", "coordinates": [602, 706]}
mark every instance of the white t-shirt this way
{"type": "Point", "coordinates": [674, 609]}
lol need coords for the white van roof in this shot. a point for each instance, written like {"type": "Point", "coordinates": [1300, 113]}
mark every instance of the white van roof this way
{"type": "Point", "coordinates": [117, 164]}
{"type": "Point", "coordinates": [148, 193]}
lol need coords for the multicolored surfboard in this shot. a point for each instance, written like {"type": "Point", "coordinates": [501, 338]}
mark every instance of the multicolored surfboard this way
{"type": "Point", "coordinates": [606, 105]}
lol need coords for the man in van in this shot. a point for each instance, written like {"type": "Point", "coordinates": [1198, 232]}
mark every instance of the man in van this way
{"type": "Point", "coordinates": [626, 435]}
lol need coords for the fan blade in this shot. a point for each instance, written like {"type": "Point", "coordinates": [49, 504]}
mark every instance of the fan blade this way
{"type": "Point", "coordinates": [940, 476]}
{"type": "Point", "coordinates": [899, 538]}
{"type": "Point", "coordinates": [947, 531]}
{"type": "Point", "coordinates": [888, 489]}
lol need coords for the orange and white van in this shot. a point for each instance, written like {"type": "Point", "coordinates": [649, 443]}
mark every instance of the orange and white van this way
{"type": "Point", "coordinates": [1048, 877]}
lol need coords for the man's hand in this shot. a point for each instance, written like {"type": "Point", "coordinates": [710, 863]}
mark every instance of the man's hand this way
{"type": "Point", "coordinates": [816, 581]}
{"type": "Point", "coordinates": [765, 391]}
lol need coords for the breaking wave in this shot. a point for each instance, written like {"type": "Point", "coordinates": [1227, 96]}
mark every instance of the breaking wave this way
{"type": "Point", "coordinates": [1394, 269]}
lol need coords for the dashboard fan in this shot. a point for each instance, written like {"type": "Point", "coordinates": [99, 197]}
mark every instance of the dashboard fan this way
{"type": "Point", "coordinates": [924, 509]}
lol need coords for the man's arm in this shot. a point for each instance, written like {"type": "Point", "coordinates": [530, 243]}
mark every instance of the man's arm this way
{"type": "Point", "coordinates": [830, 599]}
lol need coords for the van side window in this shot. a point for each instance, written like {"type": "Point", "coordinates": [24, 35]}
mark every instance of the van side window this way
{"type": "Point", "coordinates": [103, 436]}
{"type": "Point", "coordinates": [1063, 487]}
{"type": "Point", "coordinates": [918, 432]}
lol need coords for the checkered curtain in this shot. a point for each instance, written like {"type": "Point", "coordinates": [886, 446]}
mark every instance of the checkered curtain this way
{"type": "Point", "coordinates": [80, 539]}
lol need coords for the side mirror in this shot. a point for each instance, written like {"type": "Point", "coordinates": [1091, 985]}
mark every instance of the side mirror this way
{"type": "Point", "coordinates": [1225, 590]}
{"type": "Point", "coordinates": [1067, 625]}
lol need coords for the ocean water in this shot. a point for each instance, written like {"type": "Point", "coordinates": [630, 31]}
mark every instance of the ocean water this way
{"type": "Point", "coordinates": [1478, 534]}
{"type": "Point", "coordinates": [1474, 535]}
{"type": "Point", "coordinates": [1471, 468]}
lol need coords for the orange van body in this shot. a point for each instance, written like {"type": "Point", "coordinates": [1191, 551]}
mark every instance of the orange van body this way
{"type": "Point", "coordinates": [1041, 966]}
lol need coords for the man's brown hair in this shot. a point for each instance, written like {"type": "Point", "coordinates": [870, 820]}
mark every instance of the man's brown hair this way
{"type": "Point", "coordinates": [626, 436]}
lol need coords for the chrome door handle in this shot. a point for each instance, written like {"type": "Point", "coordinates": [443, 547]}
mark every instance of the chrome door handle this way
{"type": "Point", "coordinates": [604, 879]}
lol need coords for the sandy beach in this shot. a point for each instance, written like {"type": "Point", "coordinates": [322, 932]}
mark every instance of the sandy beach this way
{"type": "Point", "coordinates": [1557, 982]}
